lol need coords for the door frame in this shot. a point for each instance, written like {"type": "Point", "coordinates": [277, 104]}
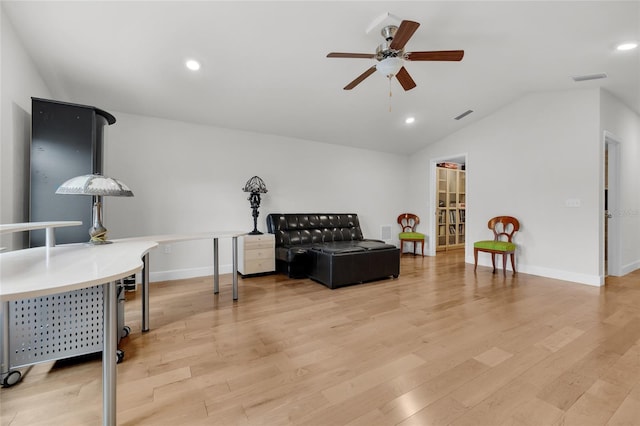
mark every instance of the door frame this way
{"type": "Point", "coordinates": [614, 266]}
{"type": "Point", "coordinates": [433, 209]}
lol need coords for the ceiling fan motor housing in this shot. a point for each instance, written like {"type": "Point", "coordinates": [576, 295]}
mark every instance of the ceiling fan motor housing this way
{"type": "Point", "coordinates": [384, 51]}
{"type": "Point", "coordinates": [389, 32]}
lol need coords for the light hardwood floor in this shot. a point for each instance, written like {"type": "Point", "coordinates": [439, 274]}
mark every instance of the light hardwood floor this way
{"type": "Point", "coordinates": [440, 345]}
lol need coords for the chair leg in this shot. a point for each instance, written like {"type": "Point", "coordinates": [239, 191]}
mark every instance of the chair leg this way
{"type": "Point", "coordinates": [422, 245]}
{"type": "Point", "coordinates": [475, 259]}
{"type": "Point", "coordinates": [513, 262]}
{"type": "Point", "coordinates": [493, 262]}
{"type": "Point", "coordinates": [504, 264]}
{"type": "Point", "coordinates": [414, 248]}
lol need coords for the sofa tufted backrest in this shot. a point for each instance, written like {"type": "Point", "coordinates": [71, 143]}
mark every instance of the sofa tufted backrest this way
{"type": "Point", "coordinates": [292, 229]}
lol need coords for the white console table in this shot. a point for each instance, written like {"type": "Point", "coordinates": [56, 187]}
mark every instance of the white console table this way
{"type": "Point", "coordinates": [49, 227]}
{"type": "Point", "coordinates": [174, 238]}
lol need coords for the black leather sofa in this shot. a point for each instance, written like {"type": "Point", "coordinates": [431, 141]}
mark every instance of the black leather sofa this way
{"type": "Point", "coordinates": [330, 248]}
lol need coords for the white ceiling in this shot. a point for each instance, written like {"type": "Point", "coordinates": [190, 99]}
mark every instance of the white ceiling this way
{"type": "Point", "coordinates": [264, 67]}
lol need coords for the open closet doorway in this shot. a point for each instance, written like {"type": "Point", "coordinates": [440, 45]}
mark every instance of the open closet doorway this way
{"type": "Point", "coordinates": [449, 202]}
{"type": "Point", "coordinates": [610, 258]}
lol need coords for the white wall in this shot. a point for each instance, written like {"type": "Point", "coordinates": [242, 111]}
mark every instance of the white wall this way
{"type": "Point", "coordinates": [19, 81]}
{"type": "Point", "coordinates": [526, 160]}
{"type": "Point", "coordinates": [188, 178]}
{"type": "Point", "coordinates": [624, 124]}
{"type": "Point", "coordinates": [200, 171]}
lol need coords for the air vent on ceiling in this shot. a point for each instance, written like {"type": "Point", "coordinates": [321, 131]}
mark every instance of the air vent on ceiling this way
{"type": "Point", "coordinates": [589, 77]}
{"type": "Point", "coordinates": [463, 115]}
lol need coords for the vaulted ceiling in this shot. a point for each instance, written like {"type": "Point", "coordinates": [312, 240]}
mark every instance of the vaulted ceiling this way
{"type": "Point", "coordinates": [264, 66]}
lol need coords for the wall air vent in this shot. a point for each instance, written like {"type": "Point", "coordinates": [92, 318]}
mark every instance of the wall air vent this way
{"type": "Point", "coordinates": [463, 115]}
{"type": "Point", "coordinates": [588, 77]}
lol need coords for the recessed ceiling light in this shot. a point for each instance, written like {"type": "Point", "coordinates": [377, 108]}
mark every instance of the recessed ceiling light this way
{"type": "Point", "coordinates": [193, 65]}
{"type": "Point", "coordinates": [410, 120]}
{"type": "Point", "coordinates": [627, 46]}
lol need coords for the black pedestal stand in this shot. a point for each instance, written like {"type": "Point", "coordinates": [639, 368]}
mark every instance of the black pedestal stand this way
{"type": "Point", "coordinates": [254, 199]}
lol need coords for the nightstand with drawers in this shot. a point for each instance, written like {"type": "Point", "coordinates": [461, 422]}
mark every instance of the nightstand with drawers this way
{"type": "Point", "coordinates": [256, 254]}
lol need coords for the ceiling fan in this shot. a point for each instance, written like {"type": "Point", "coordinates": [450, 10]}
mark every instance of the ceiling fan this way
{"type": "Point", "coordinates": [391, 55]}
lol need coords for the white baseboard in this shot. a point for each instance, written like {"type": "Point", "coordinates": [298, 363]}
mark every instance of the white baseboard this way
{"type": "Point", "coordinates": [592, 280]}
{"type": "Point", "coordinates": [630, 267]}
{"type": "Point", "coordinates": [182, 274]}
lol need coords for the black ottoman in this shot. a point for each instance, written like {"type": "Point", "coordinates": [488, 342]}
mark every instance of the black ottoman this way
{"type": "Point", "coordinates": [337, 265]}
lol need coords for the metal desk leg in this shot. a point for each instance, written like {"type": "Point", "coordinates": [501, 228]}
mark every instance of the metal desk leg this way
{"type": "Point", "coordinates": [50, 237]}
{"type": "Point", "coordinates": [4, 370]}
{"type": "Point", "coordinates": [216, 270]}
{"type": "Point", "coordinates": [235, 267]}
{"type": "Point", "coordinates": [145, 292]}
{"type": "Point", "coordinates": [110, 345]}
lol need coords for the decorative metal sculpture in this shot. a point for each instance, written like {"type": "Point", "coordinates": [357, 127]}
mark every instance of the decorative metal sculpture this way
{"type": "Point", "coordinates": [255, 186]}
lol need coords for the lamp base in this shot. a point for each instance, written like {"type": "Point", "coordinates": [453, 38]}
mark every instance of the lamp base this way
{"type": "Point", "coordinates": [98, 242]}
{"type": "Point", "coordinates": [254, 232]}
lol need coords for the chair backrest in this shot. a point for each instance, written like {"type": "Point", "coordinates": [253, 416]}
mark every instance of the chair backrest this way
{"type": "Point", "coordinates": [408, 221]}
{"type": "Point", "coordinates": [503, 226]}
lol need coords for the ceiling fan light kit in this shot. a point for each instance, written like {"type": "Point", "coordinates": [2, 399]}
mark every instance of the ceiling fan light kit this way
{"type": "Point", "coordinates": [391, 55]}
{"type": "Point", "coordinates": [389, 67]}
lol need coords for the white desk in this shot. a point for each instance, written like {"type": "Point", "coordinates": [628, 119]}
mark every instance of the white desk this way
{"type": "Point", "coordinates": [49, 270]}
{"type": "Point", "coordinates": [174, 238]}
{"type": "Point", "coordinates": [54, 269]}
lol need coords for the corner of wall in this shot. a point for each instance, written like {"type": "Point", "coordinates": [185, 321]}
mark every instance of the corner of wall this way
{"type": "Point", "coordinates": [20, 80]}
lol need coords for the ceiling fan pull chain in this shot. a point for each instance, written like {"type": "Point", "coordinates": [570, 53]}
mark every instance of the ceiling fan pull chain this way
{"type": "Point", "coordinates": [390, 94]}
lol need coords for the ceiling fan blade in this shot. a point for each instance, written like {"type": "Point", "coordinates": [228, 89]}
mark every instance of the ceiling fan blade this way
{"type": "Point", "coordinates": [404, 33]}
{"type": "Point", "coordinates": [438, 55]}
{"type": "Point", "coordinates": [351, 55]}
{"type": "Point", "coordinates": [405, 79]}
{"type": "Point", "coordinates": [360, 78]}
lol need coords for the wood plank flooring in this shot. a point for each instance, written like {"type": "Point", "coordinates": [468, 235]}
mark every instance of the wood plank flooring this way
{"type": "Point", "coordinates": [440, 345]}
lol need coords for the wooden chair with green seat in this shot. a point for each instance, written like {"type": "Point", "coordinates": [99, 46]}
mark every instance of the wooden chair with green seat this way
{"type": "Point", "coordinates": [503, 227]}
{"type": "Point", "coordinates": [409, 221]}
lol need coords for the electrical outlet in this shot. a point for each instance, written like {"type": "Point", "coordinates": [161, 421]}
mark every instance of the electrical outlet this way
{"type": "Point", "coordinates": [167, 249]}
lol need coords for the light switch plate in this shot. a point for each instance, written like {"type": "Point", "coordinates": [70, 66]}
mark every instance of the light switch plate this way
{"type": "Point", "coordinates": [572, 202]}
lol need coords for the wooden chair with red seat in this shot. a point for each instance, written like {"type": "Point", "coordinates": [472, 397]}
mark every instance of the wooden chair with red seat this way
{"type": "Point", "coordinates": [503, 227]}
{"type": "Point", "coordinates": [409, 221]}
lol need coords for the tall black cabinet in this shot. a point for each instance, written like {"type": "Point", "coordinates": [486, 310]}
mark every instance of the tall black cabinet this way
{"type": "Point", "coordinates": [66, 141]}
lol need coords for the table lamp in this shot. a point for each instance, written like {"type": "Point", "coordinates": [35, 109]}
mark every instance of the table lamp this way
{"type": "Point", "coordinates": [97, 186]}
{"type": "Point", "coordinates": [255, 186]}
